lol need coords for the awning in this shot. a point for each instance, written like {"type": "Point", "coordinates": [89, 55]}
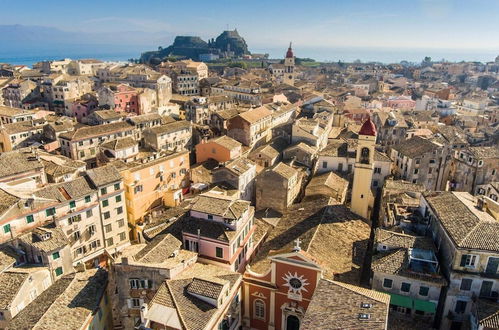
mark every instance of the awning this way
{"type": "Point", "coordinates": [408, 302]}
{"type": "Point", "coordinates": [425, 306]}
{"type": "Point", "coordinates": [401, 301]}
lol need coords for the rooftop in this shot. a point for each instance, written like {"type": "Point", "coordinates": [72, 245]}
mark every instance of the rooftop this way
{"type": "Point", "coordinates": [336, 305]}
{"type": "Point", "coordinates": [95, 131]}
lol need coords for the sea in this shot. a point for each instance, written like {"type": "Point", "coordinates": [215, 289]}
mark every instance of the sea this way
{"type": "Point", "coordinates": [28, 56]}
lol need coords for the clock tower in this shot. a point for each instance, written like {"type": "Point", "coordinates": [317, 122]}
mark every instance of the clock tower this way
{"type": "Point", "coordinates": [362, 196]}
{"type": "Point", "coordinates": [289, 67]}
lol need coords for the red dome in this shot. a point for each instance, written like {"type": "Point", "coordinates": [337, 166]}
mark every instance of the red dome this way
{"type": "Point", "coordinates": [368, 128]}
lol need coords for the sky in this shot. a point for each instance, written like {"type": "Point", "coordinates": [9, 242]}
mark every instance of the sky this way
{"type": "Point", "coordinates": [417, 24]}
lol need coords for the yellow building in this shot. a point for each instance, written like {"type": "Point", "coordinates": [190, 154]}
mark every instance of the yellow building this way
{"type": "Point", "coordinates": [362, 197]}
{"type": "Point", "coordinates": [153, 182]}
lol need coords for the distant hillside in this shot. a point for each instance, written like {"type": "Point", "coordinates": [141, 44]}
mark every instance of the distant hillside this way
{"type": "Point", "coordinates": [191, 47]}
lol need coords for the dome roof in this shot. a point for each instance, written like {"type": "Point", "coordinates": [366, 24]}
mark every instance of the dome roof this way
{"type": "Point", "coordinates": [368, 128]}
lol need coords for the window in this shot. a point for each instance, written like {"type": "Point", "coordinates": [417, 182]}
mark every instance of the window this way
{"type": "Point", "coordinates": [469, 260]}
{"type": "Point", "coordinates": [460, 306]}
{"type": "Point", "coordinates": [95, 244]}
{"type": "Point", "coordinates": [466, 284]}
{"type": "Point", "coordinates": [103, 191]}
{"type": "Point", "coordinates": [118, 198]}
{"type": "Point", "coordinates": [219, 252]}
{"type": "Point", "coordinates": [50, 212]}
{"type": "Point", "coordinates": [324, 164]}
{"type": "Point", "coordinates": [89, 213]}
{"type": "Point", "coordinates": [30, 218]}
{"type": "Point", "coordinates": [119, 210]}
{"type": "Point", "coordinates": [56, 255]}
{"type": "Point", "coordinates": [135, 303]}
{"type": "Point", "coordinates": [259, 309]}
{"type": "Point", "coordinates": [72, 204]}
{"type": "Point", "coordinates": [138, 188]}
{"type": "Point", "coordinates": [109, 241]}
{"type": "Point", "coordinates": [76, 235]}
{"type": "Point", "coordinates": [340, 167]}
{"type": "Point", "coordinates": [107, 215]}
{"type": "Point", "coordinates": [122, 236]}
{"type": "Point", "coordinates": [87, 199]}
{"type": "Point", "coordinates": [210, 217]}
{"type": "Point", "coordinates": [108, 228]}
{"type": "Point", "coordinates": [82, 153]}
{"type": "Point", "coordinates": [105, 203]}
{"type": "Point", "coordinates": [423, 290]}
{"type": "Point", "coordinates": [116, 186]}
{"type": "Point", "coordinates": [387, 283]}
{"type": "Point", "coordinates": [416, 171]}
{"type": "Point", "coordinates": [492, 265]}
{"type": "Point", "coordinates": [405, 287]}
{"type": "Point", "coordinates": [377, 170]}
{"type": "Point", "coordinates": [121, 223]}
{"type": "Point", "coordinates": [58, 271]}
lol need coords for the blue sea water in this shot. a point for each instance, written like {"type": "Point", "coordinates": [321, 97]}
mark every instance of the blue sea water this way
{"type": "Point", "coordinates": [29, 56]}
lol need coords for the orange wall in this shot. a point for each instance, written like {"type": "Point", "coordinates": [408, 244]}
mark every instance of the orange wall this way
{"type": "Point", "coordinates": [204, 151]}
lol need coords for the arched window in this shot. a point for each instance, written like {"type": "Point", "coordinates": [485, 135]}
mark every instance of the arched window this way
{"type": "Point", "coordinates": [364, 155]}
{"type": "Point", "coordinates": [259, 309]}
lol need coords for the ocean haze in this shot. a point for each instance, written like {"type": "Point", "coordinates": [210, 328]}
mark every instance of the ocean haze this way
{"type": "Point", "coordinates": [26, 45]}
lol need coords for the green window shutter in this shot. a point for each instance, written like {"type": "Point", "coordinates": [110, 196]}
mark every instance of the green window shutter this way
{"type": "Point", "coordinates": [72, 204]}
{"type": "Point", "coordinates": [56, 255]}
{"type": "Point", "coordinates": [6, 228]}
{"type": "Point", "coordinates": [58, 271]}
{"type": "Point", "coordinates": [118, 198]}
{"type": "Point", "coordinates": [105, 203]}
{"type": "Point", "coordinates": [116, 186]}
{"type": "Point", "coordinates": [30, 218]}
{"type": "Point", "coordinates": [87, 199]}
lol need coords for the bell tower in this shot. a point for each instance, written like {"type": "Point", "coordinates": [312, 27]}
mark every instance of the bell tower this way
{"type": "Point", "coordinates": [289, 67]}
{"type": "Point", "coordinates": [362, 196]}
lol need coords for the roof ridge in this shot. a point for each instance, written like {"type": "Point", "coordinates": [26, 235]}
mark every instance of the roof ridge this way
{"type": "Point", "coordinates": [184, 324]}
{"type": "Point", "coordinates": [366, 292]}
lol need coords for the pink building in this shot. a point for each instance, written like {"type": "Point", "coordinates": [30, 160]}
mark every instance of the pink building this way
{"type": "Point", "coordinates": [126, 99]}
{"type": "Point", "coordinates": [401, 102]}
{"type": "Point", "coordinates": [83, 106]}
{"type": "Point", "coordinates": [220, 230]}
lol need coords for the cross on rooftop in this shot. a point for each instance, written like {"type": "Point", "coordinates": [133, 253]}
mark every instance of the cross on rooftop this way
{"type": "Point", "coordinates": [297, 245]}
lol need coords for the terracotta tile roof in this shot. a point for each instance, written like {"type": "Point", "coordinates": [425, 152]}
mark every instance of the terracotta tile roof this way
{"type": "Point", "coordinates": [467, 226]}
{"type": "Point", "coordinates": [488, 314]}
{"type": "Point", "coordinates": [399, 240]}
{"type": "Point", "coordinates": [416, 147]}
{"type": "Point", "coordinates": [207, 287]}
{"type": "Point", "coordinates": [120, 144]}
{"type": "Point", "coordinates": [56, 241]}
{"type": "Point", "coordinates": [10, 283]}
{"type": "Point", "coordinates": [485, 152]}
{"type": "Point", "coordinates": [194, 313]}
{"type": "Point", "coordinates": [32, 313]}
{"type": "Point", "coordinates": [7, 201]}
{"type": "Point", "coordinates": [237, 166]}
{"type": "Point", "coordinates": [63, 192]}
{"type": "Point", "coordinates": [104, 175]}
{"type": "Point", "coordinates": [254, 115]}
{"type": "Point", "coordinates": [107, 114]}
{"type": "Point", "coordinates": [227, 142]}
{"type": "Point", "coordinates": [210, 229]}
{"type": "Point", "coordinates": [160, 248]}
{"type": "Point", "coordinates": [337, 305]}
{"type": "Point", "coordinates": [286, 171]}
{"type": "Point", "coordinates": [80, 300]}
{"type": "Point", "coordinates": [7, 256]}
{"type": "Point", "coordinates": [328, 232]}
{"type": "Point", "coordinates": [170, 127]}
{"type": "Point", "coordinates": [396, 262]}
{"type": "Point", "coordinates": [18, 161]}
{"type": "Point", "coordinates": [219, 206]}
{"type": "Point", "coordinates": [328, 184]}
{"type": "Point", "coordinates": [95, 131]}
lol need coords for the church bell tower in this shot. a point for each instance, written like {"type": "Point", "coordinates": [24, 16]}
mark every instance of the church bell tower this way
{"type": "Point", "coordinates": [362, 197]}
{"type": "Point", "coordinates": [289, 67]}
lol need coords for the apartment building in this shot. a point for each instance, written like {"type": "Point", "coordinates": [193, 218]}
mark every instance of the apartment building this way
{"type": "Point", "coordinates": [242, 91]}
{"type": "Point", "coordinates": [82, 143]}
{"type": "Point", "coordinates": [173, 136]}
{"type": "Point", "coordinates": [220, 229]}
{"type": "Point", "coordinates": [251, 127]}
{"type": "Point", "coordinates": [222, 149]}
{"type": "Point", "coordinates": [239, 173]}
{"type": "Point", "coordinates": [153, 182]}
{"type": "Point", "coordinates": [20, 134]}
{"type": "Point", "coordinates": [465, 230]}
{"type": "Point", "coordinates": [68, 88]}
{"type": "Point", "coordinates": [10, 115]}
